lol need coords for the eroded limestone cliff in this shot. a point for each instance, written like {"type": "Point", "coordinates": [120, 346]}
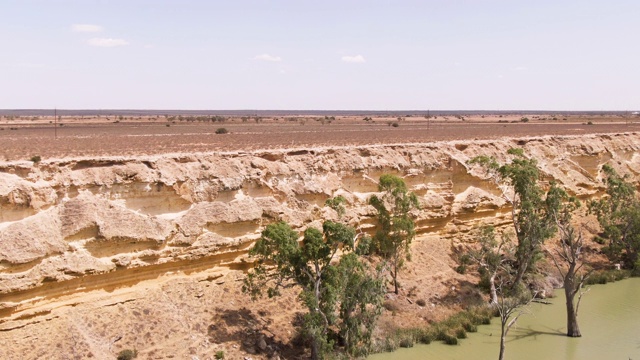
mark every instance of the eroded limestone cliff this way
{"type": "Point", "coordinates": [78, 225]}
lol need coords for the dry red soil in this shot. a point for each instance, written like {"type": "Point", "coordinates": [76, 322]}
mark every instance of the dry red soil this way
{"type": "Point", "coordinates": [22, 139]}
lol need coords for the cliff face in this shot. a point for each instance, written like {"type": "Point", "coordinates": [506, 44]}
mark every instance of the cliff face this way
{"type": "Point", "coordinates": [60, 220]}
{"type": "Point", "coordinates": [85, 224]}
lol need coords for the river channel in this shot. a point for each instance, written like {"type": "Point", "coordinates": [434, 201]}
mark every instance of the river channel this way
{"type": "Point", "coordinates": [609, 318]}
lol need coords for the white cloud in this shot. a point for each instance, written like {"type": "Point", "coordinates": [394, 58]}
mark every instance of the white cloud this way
{"type": "Point", "coordinates": [267, 57]}
{"type": "Point", "coordinates": [520, 68]}
{"type": "Point", "coordinates": [107, 42]}
{"type": "Point", "coordinates": [358, 59]}
{"type": "Point", "coordinates": [86, 28]}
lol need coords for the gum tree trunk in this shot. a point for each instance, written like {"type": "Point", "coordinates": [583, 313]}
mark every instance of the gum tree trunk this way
{"type": "Point", "coordinates": [573, 330]}
{"type": "Point", "coordinates": [503, 335]}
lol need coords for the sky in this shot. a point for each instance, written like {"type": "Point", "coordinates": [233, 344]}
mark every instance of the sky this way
{"type": "Point", "coordinates": [320, 54]}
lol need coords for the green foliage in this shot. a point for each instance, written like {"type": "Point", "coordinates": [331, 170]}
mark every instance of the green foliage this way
{"type": "Point", "coordinates": [36, 159]}
{"type": "Point", "coordinates": [446, 331]}
{"type": "Point", "coordinates": [490, 257]}
{"type": "Point", "coordinates": [461, 333]}
{"type": "Point", "coordinates": [533, 210]}
{"type": "Point", "coordinates": [219, 355]}
{"type": "Point", "coordinates": [278, 247]}
{"type": "Point", "coordinates": [360, 303]}
{"type": "Point", "coordinates": [619, 216]}
{"type": "Point", "coordinates": [396, 228]}
{"type": "Point", "coordinates": [345, 295]}
{"type": "Point", "coordinates": [127, 354]}
{"type": "Point", "coordinates": [336, 203]}
{"type": "Point", "coordinates": [607, 276]}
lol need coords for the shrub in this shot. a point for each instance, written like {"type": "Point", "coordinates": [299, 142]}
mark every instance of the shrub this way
{"type": "Point", "coordinates": [390, 306]}
{"type": "Point", "coordinates": [421, 302]}
{"type": "Point", "coordinates": [607, 276]}
{"type": "Point", "coordinates": [590, 123]}
{"type": "Point", "coordinates": [423, 336]}
{"type": "Point", "coordinates": [406, 338]}
{"type": "Point", "coordinates": [219, 355]}
{"type": "Point", "coordinates": [222, 131]}
{"type": "Point", "coordinates": [449, 340]}
{"type": "Point", "coordinates": [448, 331]}
{"type": "Point", "coordinates": [469, 327]}
{"type": "Point", "coordinates": [524, 119]}
{"type": "Point", "coordinates": [36, 158]}
{"type": "Point", "coordinates": [395, 124]}
{"type": "Point", "coordinates": [336, 204]}
{"type": "Point", "coordinates": [127, 354]}
{"type": "Point", "coordinates": [406, 342]}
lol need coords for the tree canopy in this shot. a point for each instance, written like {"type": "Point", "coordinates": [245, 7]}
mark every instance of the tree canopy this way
{"type": "Point", "coordinates": [619, 216]}
{"type": "Point", "coordinates": [343, 297]}
{"type": "Point", "coordinates": [532, 209]}
{"type": "Point", "coordinates": [396, 228]}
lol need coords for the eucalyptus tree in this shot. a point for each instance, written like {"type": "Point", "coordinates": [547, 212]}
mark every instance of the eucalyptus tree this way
{"type": "Point", "coordinates": [531, 208]}
{"type": "Point", "coordinates": [396, 228]}
{"type": "Point", "coordinates": [619, 216]}
{"type": "Point", "coordinates": [338, 293]}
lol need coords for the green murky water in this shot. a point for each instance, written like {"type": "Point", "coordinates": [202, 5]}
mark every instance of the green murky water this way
{"type": "Point", "coordinates": [609, 320]}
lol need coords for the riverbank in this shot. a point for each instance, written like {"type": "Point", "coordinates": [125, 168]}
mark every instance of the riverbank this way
{"type": "Point", "coordinates": [609, 318]}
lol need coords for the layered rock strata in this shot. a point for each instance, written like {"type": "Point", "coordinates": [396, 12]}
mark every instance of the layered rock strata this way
{"type": "Point", "coordinates": [80, 224]}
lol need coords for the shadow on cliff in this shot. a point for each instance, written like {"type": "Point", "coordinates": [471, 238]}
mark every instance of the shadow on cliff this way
{"type": "Point", "coordinates": [251, 330]}
{"type": "Point", "coordinates": [462, 293]}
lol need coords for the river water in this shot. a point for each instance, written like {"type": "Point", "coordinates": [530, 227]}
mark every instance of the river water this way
{"type": "Point", "coordinates": [609, 319]}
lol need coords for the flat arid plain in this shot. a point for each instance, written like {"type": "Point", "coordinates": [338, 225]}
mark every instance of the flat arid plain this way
{"type": "Point", "coordinates": [132, 135]}
{"type": "Point", "coordinates": [132, 231]}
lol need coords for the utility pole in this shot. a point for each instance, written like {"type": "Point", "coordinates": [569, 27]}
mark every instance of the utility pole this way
{"type": "Point", "coordinates": [55, 123]}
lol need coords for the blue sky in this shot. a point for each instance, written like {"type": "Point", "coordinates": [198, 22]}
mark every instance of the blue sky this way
{"type": "Point", "coordinates": [323, 55]}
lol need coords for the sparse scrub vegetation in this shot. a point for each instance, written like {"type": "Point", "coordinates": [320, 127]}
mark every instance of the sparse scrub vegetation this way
{"type": "Point", "coordinates": [606, 276]}
{"type": "Point", "coordinates": [127, 354]}
{"type": "Point", "coordinates": [449, 331]}
{"type": "Point", "coordinates": [336, 203]}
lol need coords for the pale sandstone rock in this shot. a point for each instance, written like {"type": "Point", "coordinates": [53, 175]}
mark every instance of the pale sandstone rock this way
{"type": "Point", "coordinates": [77, 216]}
{"type": "Point", "coordinates": [32, 238]}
